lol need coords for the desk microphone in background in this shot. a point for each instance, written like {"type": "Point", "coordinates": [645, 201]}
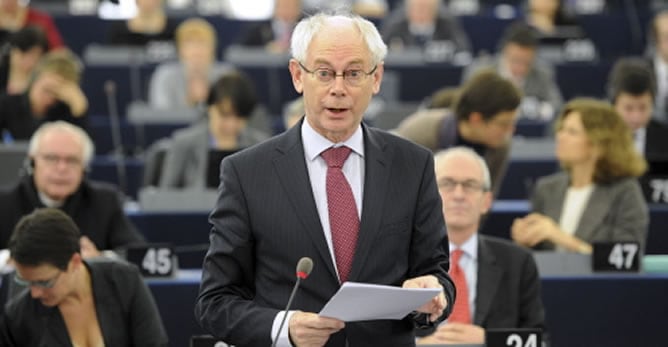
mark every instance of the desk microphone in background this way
{"type": "Point", "coordinates": [304, 267]}
{"type": "Point", "coordinates": [114, 119]}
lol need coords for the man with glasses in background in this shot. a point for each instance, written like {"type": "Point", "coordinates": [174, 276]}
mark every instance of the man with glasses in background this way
{"type": "Point", "coordinates": [58, 156]}
{"type": "Point", "coordinates": [497, 281]}
{"type": "Point", "coordinates": [361, 203]}
{"type": "Point", "coordinates": [483, 118]}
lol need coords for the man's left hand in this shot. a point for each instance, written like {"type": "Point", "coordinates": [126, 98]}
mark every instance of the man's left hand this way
{"type": "Point", "coordinates": [434, 307]}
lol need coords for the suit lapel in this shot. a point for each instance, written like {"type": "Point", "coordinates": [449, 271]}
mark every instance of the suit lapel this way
{"type": "Point", "coordinates": [489, 279]}
{"type": "Point", "coordinates": [291, 170]}
{"type": "Point", "coordinates": [595, 210]}
{"type": "Point", "coordinates": [377, 160]}
{"type": "Point", "coordinates": [555, 204]}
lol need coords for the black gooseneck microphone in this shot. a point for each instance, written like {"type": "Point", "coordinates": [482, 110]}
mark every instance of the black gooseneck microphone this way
{"type": "Point", "coordinates": [304, 267]}
{"type": "Point", "coordinates": [114, 119]}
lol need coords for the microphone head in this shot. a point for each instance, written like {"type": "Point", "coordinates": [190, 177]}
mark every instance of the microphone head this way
{"type": "Point", "coordinates": [304, 267]}
{"type": "Point", "coordinates": [109, 86]}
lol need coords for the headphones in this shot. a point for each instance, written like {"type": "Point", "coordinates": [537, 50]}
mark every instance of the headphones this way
{"type": "Point", "coordinates": [28, 167]}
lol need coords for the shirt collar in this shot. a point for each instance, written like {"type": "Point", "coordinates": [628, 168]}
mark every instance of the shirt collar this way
{"type": "Point", "coordinates": [469, 247]}
{"type": "Point", "coordinates": [314, 143]}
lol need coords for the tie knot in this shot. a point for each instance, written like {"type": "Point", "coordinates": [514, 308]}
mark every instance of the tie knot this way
{"type": "Point", "coordinates": [455, 255]}
{"type": "Point", "coordinates": [336, 156]}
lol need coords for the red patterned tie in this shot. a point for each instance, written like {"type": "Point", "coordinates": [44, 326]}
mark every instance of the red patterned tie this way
{"type": "Point", "coordinates": [343, 219]}
{"type": "Point", "coordinates": [461, 312]}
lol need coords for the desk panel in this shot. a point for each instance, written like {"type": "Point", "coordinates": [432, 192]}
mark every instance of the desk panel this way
{"type": "Point", "coordinates": [599, 310]}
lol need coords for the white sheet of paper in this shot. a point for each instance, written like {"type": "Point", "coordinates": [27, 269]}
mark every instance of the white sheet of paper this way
{"type": "Point", "coordinates": [359, 301]}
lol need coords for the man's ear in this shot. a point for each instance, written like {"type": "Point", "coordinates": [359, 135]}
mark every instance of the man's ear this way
{"type": "Point", "coordinates": [297, 75]}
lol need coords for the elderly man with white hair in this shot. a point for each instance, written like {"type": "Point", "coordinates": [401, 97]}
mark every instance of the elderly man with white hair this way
{"type": "Point", "coordinates": [59, 154]}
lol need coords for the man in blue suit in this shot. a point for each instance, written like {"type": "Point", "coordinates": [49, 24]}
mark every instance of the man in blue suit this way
{"type": "Point", "coordinates": [274, 207]}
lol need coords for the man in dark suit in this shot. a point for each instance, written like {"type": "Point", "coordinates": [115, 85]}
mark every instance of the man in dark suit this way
{"type": "Point", "coordinates": [501, 278]}
{"type": "Point", "coordinates": [274, 35]}
{"type": "Point", "coordinates": [59, 154]}
{"type": "Point", "coordinates": [276, 204]}
{"type": "Point", "coordinates": [632, 90]}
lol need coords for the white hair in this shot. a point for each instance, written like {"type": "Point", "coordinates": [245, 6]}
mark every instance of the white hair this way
{"type": "Point", "coordinates": [309, 26]}
{"type": "Point", "coordinates": [443, 155]}
{"type": "Point", "coordinates": [87, 144]}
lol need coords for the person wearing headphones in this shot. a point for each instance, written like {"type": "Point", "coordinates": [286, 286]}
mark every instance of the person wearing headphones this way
{"type": "Point", "coordinates": [59, 154]}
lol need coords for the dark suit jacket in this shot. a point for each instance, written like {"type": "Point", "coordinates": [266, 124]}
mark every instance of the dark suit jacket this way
{"type": "Point", "coordinates": [95, 208]}
{"type": "Point", "coordinates": [508, 287]}
{"type": "Point", "coordinates": [258, 34]}
{"type": "Point", "coordinates": [447, 29]}
{"type": "Point", "coordinates": [126, 312]}
{"type": "Point", "coordinates": [615, 211]}
{"type": "Point", "coordinates": [656, 141]}
{"type": "Point", "coordinates": [266, 220]}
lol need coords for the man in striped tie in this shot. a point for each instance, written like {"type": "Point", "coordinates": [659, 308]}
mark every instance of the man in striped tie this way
{"type": "Point", "coordinates": [497, 282]}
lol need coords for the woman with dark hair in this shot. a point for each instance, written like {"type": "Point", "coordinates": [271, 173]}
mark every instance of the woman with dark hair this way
{"type": "Point", "coordinates": [71, 301]}
{"type": "Point", "coordinates": [19, 57]}
{"type": "Point", "coordinates": [193, 159]}
{"type": "Point", "coordinates": [597, 196]}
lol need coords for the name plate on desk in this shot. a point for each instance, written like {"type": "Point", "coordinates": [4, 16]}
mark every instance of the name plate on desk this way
{"type": "Point", "coordinates": [616, 256]}
{"type": "Point", "coordinates": [513, 337]}
{"type": "Point", "coordinates": [655, 188]}
{"type": "Point", "coordinates": [206, 341]}
{"type": "Point", "coordinates": [153, 260]}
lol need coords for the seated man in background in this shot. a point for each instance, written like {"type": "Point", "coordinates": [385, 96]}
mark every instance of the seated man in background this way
{"type": "Point", "coordinates": [421, 22]}
{"type": "Point", "coordinates": [53, 94]}
{"type": "Point", "coordinates": [632, 90]}
{"type": "Point", "coordinates": [193, 158]}
{"type": "Point", "coordinates": [517, 61]}
{"type": "Point", "coordinates": [19, 57]}
{"type": "Point", "coordinates": [59, 154]}
{"type": "Point", "coordinates": [274, 34]}
{"type": "Point", "coordinates": [483, 118]}
{"type": "Point", "coordinates": [497, 282]}
{"type": "Point", "coordinates": [186, 83]}
{"type": "Point", "coordinates": [72, 301]}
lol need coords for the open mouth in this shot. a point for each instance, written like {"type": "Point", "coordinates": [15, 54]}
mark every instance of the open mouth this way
{"type": "Point", "coordinates": [337, 110]}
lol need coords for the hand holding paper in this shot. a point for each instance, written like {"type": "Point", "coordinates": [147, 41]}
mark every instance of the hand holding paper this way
{"type": "Point", "coordinates": [437, 304]}
{"type": "Point", "coordinates": [359, 301]}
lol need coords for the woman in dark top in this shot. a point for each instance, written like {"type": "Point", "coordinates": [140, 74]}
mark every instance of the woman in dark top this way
{"type": "Point", "coordinates": [71, 301]}
{"type": "Point", "coordinates": [150, 24]}
{"type": "Point", "coordinates": [54, 94]}
{"type": "Point", "coordinates": [19, 57]}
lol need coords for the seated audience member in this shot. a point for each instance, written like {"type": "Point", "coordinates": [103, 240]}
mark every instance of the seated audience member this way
{"type": "Point", "coordinates": [193, 158]}
{"type": "Point", "coordinates": [59, 154]}
{"type": "Point", "coordinates": [53, 94]}
{"type": "Point", "coordinates": [497, 282]}
{"type": "Point", "coordinates": [632, 90]}
{"type": "Point", "coordinates": [550, 20]}
{"type": "Point", "coordinates": [186, 83]}
{"type": "Point", "coordinates": [444, 97]}
{"type": "Point", "coordinates": [420, 23]}
{"type": "Point", "coordinates": [72, 301]}
{"type": "Point", "coordinates": [597, 196]}
{"type": "Point", "coordinates": [16, 14]}
{"type": "Point", "coordinates": [19, 57]}
{"type": "Point", "coordinates": [274, 34]}
{"type": "Point", "coordinates": [658, 57]}
{"type": "Point", "coordinates": [364, 8]}
{"type": "Point", "coordinates": [148, 25]}
{"type": "Point", "coordinates": [293, 112]}
{"type": "Point", "coordinates": [483, 118]}
{"type": "Point", "coordinates": [517, 61]}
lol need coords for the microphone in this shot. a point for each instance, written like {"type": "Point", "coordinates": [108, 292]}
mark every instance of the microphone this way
{"type": "Point", "coordinates": [114, 119]}
{"type": "Point", "coordinates": [304, 267]}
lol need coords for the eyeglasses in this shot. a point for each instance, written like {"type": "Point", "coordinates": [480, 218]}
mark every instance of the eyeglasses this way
{"type": "Point", "coordinates": [45, 284]}
{"type": "Point", "coordinates": [352, 77]}
{"type": "Point", "coordinates": [53, 160]}
{"type": "Point", "coordinates": [469, 186]}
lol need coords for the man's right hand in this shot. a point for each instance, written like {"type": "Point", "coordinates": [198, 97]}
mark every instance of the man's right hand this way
{"type": "Point", "coordinates": [309, 329]}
